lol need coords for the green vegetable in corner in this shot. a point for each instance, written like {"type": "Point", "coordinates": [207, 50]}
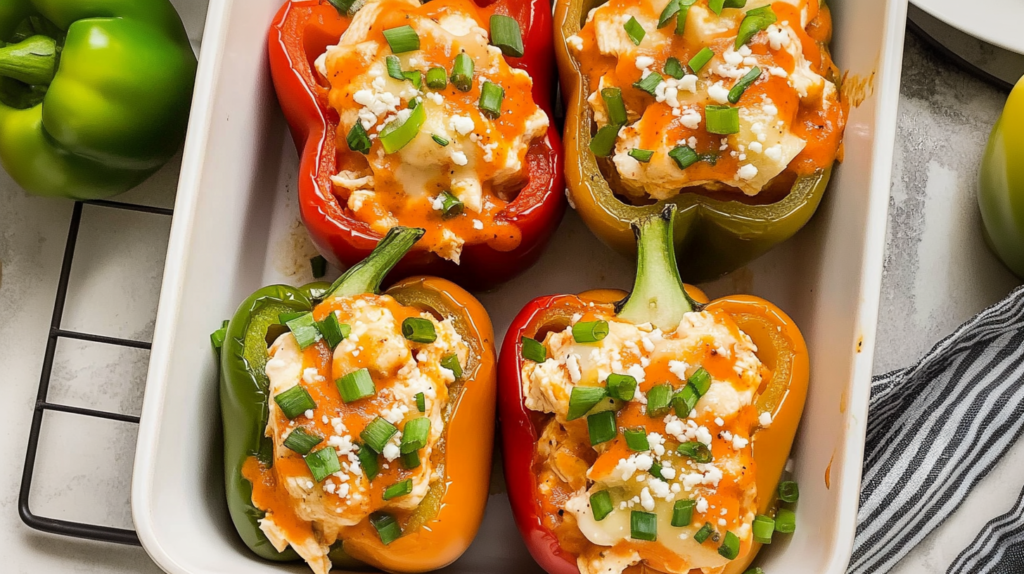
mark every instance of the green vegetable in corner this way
{"type": "Point", "coordinates": [94, 94]}
{"type": "Point", "coordinates": [1001, 189]}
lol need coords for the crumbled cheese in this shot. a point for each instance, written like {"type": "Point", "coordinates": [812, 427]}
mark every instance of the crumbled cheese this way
{"type": "Point", "coordinates": [747, 172]}
{"type": "Point", "coordinates": [765, 419]}
{"type": "Point", "coordinates": [461, 124]}
{"type": "Point", "coordinates": [719, 93]}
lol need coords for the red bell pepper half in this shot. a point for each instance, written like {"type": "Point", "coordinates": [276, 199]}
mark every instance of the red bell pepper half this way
{"type": "Point", "coordinates": [301, 32]}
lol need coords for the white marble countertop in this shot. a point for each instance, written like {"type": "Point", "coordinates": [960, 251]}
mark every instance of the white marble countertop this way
{"type": "Point", "coordinates": [938, 273]}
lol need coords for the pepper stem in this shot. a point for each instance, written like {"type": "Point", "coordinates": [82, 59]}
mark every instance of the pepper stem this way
{"type": "Point", "coordinates": [367, 275]}
{"type": "Point", "coordinates": [32, 61]}
{"type": "Point", "coordinates": [658, 296]}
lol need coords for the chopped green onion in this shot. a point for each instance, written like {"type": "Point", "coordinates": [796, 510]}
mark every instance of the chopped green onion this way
{"type": "Point", "coordinates": [491, 97]}
{"type": "Point", "coordinates": [294, 402]}
{"type": "Point", "coordinates": [396, 135]}
{"type": "Point", "coordinates": [440, 140]}
{"type": "Point", "coordinates": [582, 399]}
{"type": "Point", "coordinates": [534, 350]}
{"type": "Point", "coordinates": [323, 463]}
{"type": "Point", "coordinates": [617, 115]}
{"type": "Point", "coordinates": [658, 400]}
{"type": "Point", "coordinates": [701, 59]}
{"type": "Point", "coordinates": [601, 504]}
{"type": "Point", "coordinates": [785, 521]}
{"type": "Point", "coordinates": [415, 435]}
{"type": "Point", "coordinates": [402, 39]}
{"type": "Point", "coordinates": [601, 427]}
{"type": "Point", "coordinates": [398, 489]}
{"type": "Point", "coordinates": [421, 402]}
{"type": "Point", "coordinates": [603, 143]}
{"type": "Point", "coordinates": [789, 491]}
{"type": "Point", "coordinates": [301, 441]}
{"type": "Point", "coordinates": [684, 11]}
{"type": "Point", "coordinates": [701, 381]}
{"type": "Point", "coordinates": [755, 21]}
{"type": "Point", "coordinates": [283, 318]}
{"type": "Point", "coordinates": [304, 329]}
{"type": "Point", "coordinates": [722, 120]}
{"type": "Point", "coordinates": [741, 86]}
{"type": "Point", "coordinates": [589, 331]}
{"type": "Point", "coordinates": [416, 77]}
{"type": "Point", "coordinates": [451, 206]}
{"type": "Point", "coordinates": [451, 362]}
{"type": "Point", "coordinates": [634, 30]}
{"type": "Point", "coordinates": [730, 547]}
{"type": "Point", "coordinates": [437, 78]}
{"type": "Point", "coordinates": [682, 513]}
{"type": "Point", "coordinates": [342, 6]}
{"type": "Point", "coordinates": [656, 471]}
{"type": "Point", "coordinates": [394, 68]}
{"type": "Point", "coordinates": [754, 570]}
{"type": "Point", "coordinates": [462, 72]}
{"type": "Point", "coordinates": [650, 83]}
{"type": "Point", "coordinates": [674, 68]}
{"type": "Point", "coordinates": [698, 451]}
{"type": "Point", "coordinates": [701, 535]}
{"type": "Point", "coordinates": [355, 386]}
{"type": "Point", "coordinates": [668, 13]}
{"type": "Point", "coordinates": [717, 5]}
{"type": "Point", "coordinates": [419, 330]}
{"type": "Point", "coordinates": [684, 156]}
{"type": "Point", "coordinates": [636, 440]}
{"type": "Point", "coordinates": [368, 462]}
{"type": "Point", "coordinates": [377, 434]}
{"type": "Point", "coordinates": [415, 102]}
{"type": "Point", "coordinates": [764, 527]}
{"type": "Point", "coordinates": [641, 155]}
{"type": "Point", "coordinates": [685, 400]}
{"type": "Point", "coordinates": [643, 526]}
{"type": "Point", "coordinates": [318, 265]}
{"type": "Point", "coordinates": [411, 460]}
{"type": "Point", "coordinates": [331, 329]}
{"type": "Point", "coordinates": [386, 526]}
{"type": "Point", "coordinates": [622, 387]}
{"type": "Point", "coordinates": [505, 34]}
{"type": "Point", "coordinates": [358, 140]}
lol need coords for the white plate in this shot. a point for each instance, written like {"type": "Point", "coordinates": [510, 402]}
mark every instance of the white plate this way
{"type": "Point", "coordinates": [235, 230]}
{"type": "Point", "coordinates": [994, 21]}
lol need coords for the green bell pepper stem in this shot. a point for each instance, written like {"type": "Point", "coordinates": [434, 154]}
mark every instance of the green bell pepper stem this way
{"type": "Point", "coordinates": [658, 295]}
{"type": "Point", "coordinates": [32, 61]}
{"type": "Point", "coordinates": [367, 275]}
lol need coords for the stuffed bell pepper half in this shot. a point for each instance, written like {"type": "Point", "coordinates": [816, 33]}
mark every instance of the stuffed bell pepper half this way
{"type": "Point", "coordinates": [433, 115]}
{"type": "Point", "coordinates": [650, 430]}
{"type": "Point", "coordinates": [729, 109]}
{"type": "Point", "coordinates": [358, 425]}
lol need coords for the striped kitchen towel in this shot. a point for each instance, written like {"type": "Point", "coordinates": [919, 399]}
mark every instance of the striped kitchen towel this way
{"type": "Point", "coordinates": [934, 431]}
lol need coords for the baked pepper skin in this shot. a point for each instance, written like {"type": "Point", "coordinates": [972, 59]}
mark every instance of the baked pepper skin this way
{"type": "Point", "coordinates": [781, 348]}
{"type": "Point", "coordinates": [303, 30]}
{"type": "Point", "coordinates": [452, 510]}
{"type": "Point", "coordinates": [111, 108]}
{"type": "Point", "coordinates": [712, 237]}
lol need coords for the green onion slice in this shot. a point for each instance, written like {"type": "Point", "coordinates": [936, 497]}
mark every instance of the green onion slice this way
{"type": "Point", "coordinates": [601, 504]}
{"type": "Point", "coordinates": [701, 381]}
{"type": "Point", "coordinates": [717, 5]}
{"type": "Point", "coordinates": [305, 330]}
{"type": "Point", "coordinates": [451, 206]}
{"type": "Point", "coordinates": [358, 140]}
{"type": "Point", "coordinates": [722, 120]}
{"type": "Point", "coordinates": [415, 435]}
{"type": "Point", "coordinates": [323, 463]}
{"type": "Point", "coordinates": [616, 106]}
{"type": "Point", "coordinates": [284, 318]}
{"type": "Point", "coordinates": [396, 135]}
{"type": "Point", "coordinates": [506, 34]}
{"type": "Point", "coordinates": [421, 402]}
{"type": "Point", "coordinates": [658, 400]}
{"type": "Point", "coordinates": [684, 11]}
{"type": "Point", "coordinates": [294, 401]}
{"type": "Point", "coordinates": [368, 461]}
{"type": "Point", "coordinates": [377, 434]}
{"type": "Point", "coordinates": [590, 331]}
{"type": "Point", "coordinates": [386, 526]}
{"type": "Point", "coordinates": [643, 526]}
{"type": "Point", "coordinates": [440, 141]}
{"type": "Point", "coordinates": [730, 547]}
{"type": "Point", "coordinates": [641, 155]}
{"type": "Point", "coordinates": [462, 72]}
{"type": "Point", "coordinates": [754, 570]}
{"type": "Point", "coordinates": [394, 68]}
{"type": "Point", "coordinates": [650, 83]}
{"type": "Point", "coordinates": [534, 350]}
{"type": "Point", "coordinates": [682, 513]}
{"type": "Point", "coordinates": [684, 156]}
{"type": "Point", "coordinates": [491, 97]}
{"type": "Point", "coordinates": [741, 86]}
{"type": "Point", "coordinates": [701, 59]}
{"type": "Point", "coordinates": [416, 77]}
{"type": "Point", "coordinates": [437, 78]}
{"type": "Point", "coordinates": [701, 535]}
{"type": "Point", "coordinates": [402, 39]}
{"type": "Point", "coordinates": [622, 387]}
{"type": "Point", "coordinates": [318, 265]}
{"type": "Point", "coordinates": [634, 30]}
{"type": "Point", "coordinates": [789, 491]}
{"type": "Point", "coordinates": [582, 399]}
{"type": "Point", "coordinates": [785, 521]}
{"type": "Point", "coordinates": [756, 20]}
{"type": "Point", "coordinates": [674, 68]}
{"type": "Point", "coordinates": [398, 489]}
{"type": "Point", "coordinates": [355, 386]}
{"type": "Point", "coordinates": [764, 527]}
{"type": "Point", "coordinates": [342, 6]}
{"type": "Point", "coordinates": [301, 441]}
{"type": "Point", "coordinates": [656, 471]}
{"type": "Point", "coordinates": [419, 330]}
{"type": "Point", "coordinates": [601, 427]}
{"type": "Point", "coordinates": [698, 451]}
{"type": "Point", "coordinates": [685, 401]}
{"type": "Point", "coordinates": [331, 329]}
{"type": "Point", "coordinates": [451, 362]}
{"type": "Point", "coordinates": [603, 143]}
{"type": "Point", "coordinates": [411, 460]}
{"type": "Point", "coordinates": [636, 440]}
{"type": "Point", "coordinates": [668, 13]}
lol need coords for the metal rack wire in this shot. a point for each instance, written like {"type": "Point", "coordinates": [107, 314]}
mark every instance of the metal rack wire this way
{"type": "Point", "coordinates": [42, 405]}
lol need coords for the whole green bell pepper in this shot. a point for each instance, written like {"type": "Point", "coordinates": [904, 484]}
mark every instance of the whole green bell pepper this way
{"type": "Point", "coordinates": [94, 94]}
{"type": "Point", "coordinates": [1001, 189]}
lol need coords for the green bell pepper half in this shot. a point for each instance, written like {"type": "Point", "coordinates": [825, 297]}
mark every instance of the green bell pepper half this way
{"type": "Point", "coordinates": [1001, 186]}
{"type": "Point", "coordinates": [94, 94]}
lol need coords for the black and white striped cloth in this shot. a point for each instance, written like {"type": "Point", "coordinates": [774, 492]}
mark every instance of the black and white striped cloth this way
{"type": "Point", "coordinates": [934, 431]}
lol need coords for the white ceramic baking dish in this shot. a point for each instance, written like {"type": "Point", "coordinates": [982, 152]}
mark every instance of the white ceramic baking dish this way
{"type": "Point", "coordinates": [235, 229]}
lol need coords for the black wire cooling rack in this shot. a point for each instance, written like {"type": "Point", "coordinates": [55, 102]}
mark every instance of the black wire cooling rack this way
{"type": "Point", "coordinates": [42, 405]}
